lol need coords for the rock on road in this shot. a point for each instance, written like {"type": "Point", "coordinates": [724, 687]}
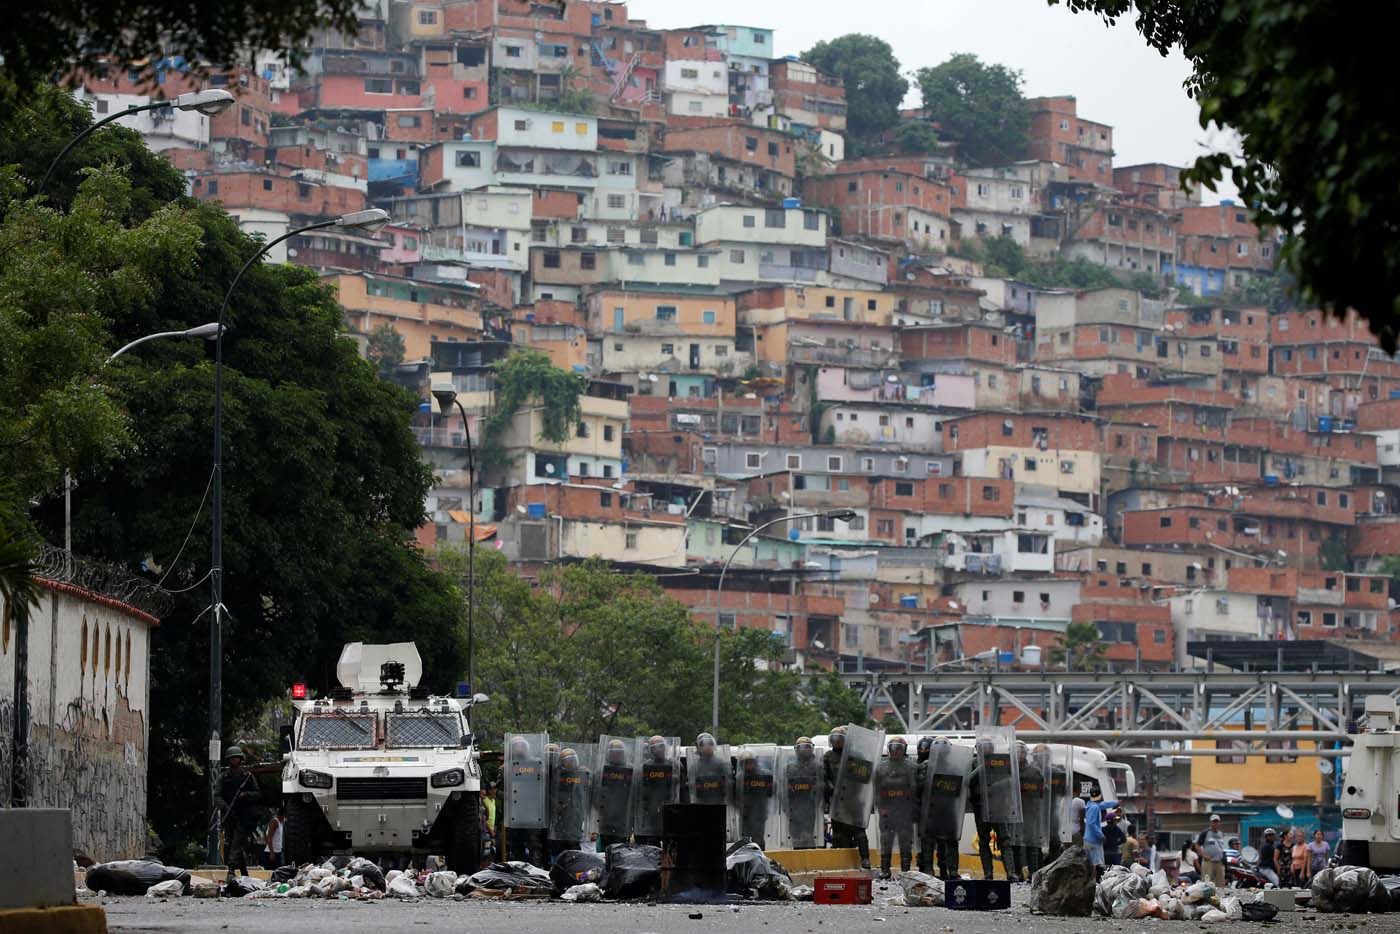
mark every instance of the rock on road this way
{"type": "Point", "coordinates": [297, 916]}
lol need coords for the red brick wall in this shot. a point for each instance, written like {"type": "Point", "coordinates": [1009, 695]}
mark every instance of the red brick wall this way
{"type": "Point", "coordinates": [973, 343]}
{"type": "Point", "coordinates": [729, 139]}
{"type": "Point", "coordinates": [277, 193]}
{"type": "Point", "coordinates": [980, 431]}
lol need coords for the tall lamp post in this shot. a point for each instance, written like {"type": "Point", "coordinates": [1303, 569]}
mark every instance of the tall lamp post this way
{"type": "Point", "coordinates": [845, 515]}
{"type": "Point", "coordinates": [371, 221]}
{"type": "Point", "coordinates": [210, 103]}
{"type": "Point", "coordinates": [446, 398]}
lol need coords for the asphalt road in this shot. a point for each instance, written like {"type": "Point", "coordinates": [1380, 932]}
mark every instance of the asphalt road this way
{"type": "Point", "coordinates": [269, 916]}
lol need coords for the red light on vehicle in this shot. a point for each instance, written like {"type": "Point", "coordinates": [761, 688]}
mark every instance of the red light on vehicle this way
{"type": "Point", "coordinates": [1356, 813]}
{"type": "Point", "coordinates": [299, 691]}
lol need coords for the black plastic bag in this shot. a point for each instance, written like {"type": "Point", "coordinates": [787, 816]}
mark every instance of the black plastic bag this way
{"type": "Point", "coordinates": [238, 886]}
{"type": "Point", "coordinates": [339, 861]}
{"type": "Point", "coordinates": [633, 871]}
{"type": "Point", "coordinates": [283, 874]}
{"type": "Point", "coordinates": [575, 867]}
{"type": "Point", "coordinates": [507, 876]}
{"type": "Point", "coordinates": [1258, 911]}
{"type": "Point", "coordinates": [749, 871]}
{"type": "Point", "coordinates": [133, 876]}
{"type": "Point", "coordinates": [373, 875]}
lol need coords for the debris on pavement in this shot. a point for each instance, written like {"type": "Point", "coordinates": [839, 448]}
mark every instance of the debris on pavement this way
{"type": "Point", "coordinates": [133, 876]}
{"type": "Point", "coordinates": [507, 879]}
{"type": "Point", "coordinates": [170, 888]}
{"type": "Point", "coordinates": [633, 870]}
{"type": "Point", "coordinates": [921, 890]}
{"type": "Point", "coordinates": [587, 892]}
{"type": "Point", "coordinates": [1065, 886]}
{"type": "Point", "coordinates": [751, 872]}
{"type": "Point", "coordinates": [1349, 889]}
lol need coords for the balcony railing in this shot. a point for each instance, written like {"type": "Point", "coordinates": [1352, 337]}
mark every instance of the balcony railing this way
{"type": "Point", "coordinates": [853, 356]}
{"type": "Point", "coordinates": [440, 438]}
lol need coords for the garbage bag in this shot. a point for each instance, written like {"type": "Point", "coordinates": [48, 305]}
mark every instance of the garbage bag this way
{"type": "Point", "coordinates": [1135, 908]}
{"type": "Point", "coordinates": [1232, 907]}
{"type": "Point", "coordinates": [1198, 892]}
{"type": "Point", "coordinates": [633, 870]}
{"type": "Point", "coordinates": [1213, 915]}
{"type": "Point", "coordinates": [1258, 911]}
{"type": "Point", "coordinates": [1391, 884]}
{"type": "Point", "coordinates": [316, 874]}
{"type": "Point", "coordinates": [921, 890]}
{"type": "Point", "coordinates": [575, 867]}
{"type": "Point", "coordinates": [1118, 885]}
{"type": "Point", "coordinates": [404, 886]}
{"type": "Point", "coordinates": [337, 862]}
{"type": "Point", "coordinates": [170, 888]}
{"type": "Point", "coordinates": [802, 893]}
{"type": "Point", "coordinates": [373, 875]}
{"type": "Point", "coordinates": [749, 871]}
{"type": "Point", "coordinates": [587, 892]}
{"type": "Point", "coordinates": [506, 877]}
{"type": "Point", "coordinates": [1341, 889]}
{"type": "Point", "coordinates": [283, 874]}
{"type": "Point", "coordinates": [1159, 884]}
{"type": "Point", "coordinates": [133, 876]}
{"type": "Point", "coordinates": [1174, 909]}
{"type": "Point", "coordinates": [238, 886]}
{"type": "Point", "coordinates": [441, 884]}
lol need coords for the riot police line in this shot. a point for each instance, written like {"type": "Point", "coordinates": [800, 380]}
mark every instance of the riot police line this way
{"type": "Point", "coordinates": [1002, 796]}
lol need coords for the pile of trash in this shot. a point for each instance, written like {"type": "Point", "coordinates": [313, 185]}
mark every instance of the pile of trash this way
{"type": "Point", "coordinates": [1350, 889]}
{"type": "Point", "coordinates": [920, 890]}
{"type": "Point", "coordinates": [137, 877]}
{"type": "Point", "coordinates": [1136, 892]}
{"type": "Point", "coordinates": [749, 872]}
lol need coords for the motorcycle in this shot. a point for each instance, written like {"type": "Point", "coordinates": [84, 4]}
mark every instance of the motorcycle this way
{"type": "Point", "coordinates": [1242, 869]}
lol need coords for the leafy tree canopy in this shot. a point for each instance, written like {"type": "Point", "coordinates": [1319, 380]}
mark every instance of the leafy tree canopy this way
{"type": "Point", "coordinates": [1081, 646]}
{"type": "Point", "coordinates": [525, 378]}
{"type": "Point", "coordinates": [979, 105]}
{"type": "Point", "coordinates": [323, 481]}
{"type": "Point", "coordinates": [1003, 256]}
{"type": "Point", "coordinates": [385, 349]}
{"type": "Point", "coordinates": [916, 137]}
{"type": "Point", "coordinates": [874, 85]}
{"type": "Point", "coordinates": [40, 39]}
{"type": "Point", "coordinates": [1311, 98]}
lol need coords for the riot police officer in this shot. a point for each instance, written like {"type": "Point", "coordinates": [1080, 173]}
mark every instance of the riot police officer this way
{"type": "Point", "coordinates": [942, 780]}
{"type": "Point", "coordinates": [568, 803]}
{"type": "Point", "coordinates": [755, 798]}
{"type": "Point", "coordinates": [1033, 812]}
{"type": "Point", "coordinates": [925, 744]}
{"type": "Point", "coordinates": [709, 775]}
{"type": "Point", "coordinates": [895, 792]}
{"type": "Point", "coordinates": [659, 786]}
{"type": "Point", "coordinates": [986, 826]}
{"type": "Point", "coordinates": [614, 795]}
{"type": "Point", "coordinates": [801, 781]}
{"type": "Point", "coordinates": [842, 834]}
{"type": "Point", "coordinates": [525, 818]}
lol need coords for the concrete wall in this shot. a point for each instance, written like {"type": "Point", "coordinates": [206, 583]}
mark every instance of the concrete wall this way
{"type": "Point", "coordinates": [89, 692]}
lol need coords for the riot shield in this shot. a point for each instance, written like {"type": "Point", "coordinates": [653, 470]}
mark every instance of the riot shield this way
{"type": "Point", "coordinates": [526, 792]}
{"type": "Point", "coordinates": [800, 800]}
{"type": "Point", "coordinates": [658, 784]}
{"type": "Point", "coordinates": [757, 782]}
{"type": "Point", "coordinates": [999, 774]}
{"type": "Point", "coordinates": [1034, 779]}
{"type": "Point", "coordinates": [851, 796]}
{"type": "Point", "coordinates": [570, 791]}
{"type": "Point", "coordinates": [615, 784]}
{"type": "Point", "coordinates": [710, 777]}
{"type": "Point", "coordinates": [1062, 793]}
{"type": "Point", "coordinates": [944, 799]}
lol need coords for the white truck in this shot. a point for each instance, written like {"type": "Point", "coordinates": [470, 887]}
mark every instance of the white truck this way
{"type": "Point", "coordinates": [382, 768]}
{"type": "Point", "coordinates": [1371, 791]}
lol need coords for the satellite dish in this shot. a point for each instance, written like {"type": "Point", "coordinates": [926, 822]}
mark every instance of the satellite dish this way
{"type": "Point", "coordinates": [1324, 766]}
{"type": "Point", "coordinates": [874, 598]}
{"type": "Point", "coordinates": [818, 644]}
{"type": "Point", "coordinates": [1286, 812]}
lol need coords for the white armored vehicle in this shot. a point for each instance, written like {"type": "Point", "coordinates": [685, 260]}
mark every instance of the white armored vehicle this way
{"type": "Point", "coordinates": [382, 767]}
{"type": "Point", "coordinates": [1371, 791]}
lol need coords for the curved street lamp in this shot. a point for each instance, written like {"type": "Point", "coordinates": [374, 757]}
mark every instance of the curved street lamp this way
{"type": "Point", "coordinates": [446, 397]}
{"type": "Point", "coordinates": [204, 330]}
{"type": "Point", "coordinates": [371, 220]}
{"type": "Point", "coordinates": [845, 515]}
{"type": "Point", "coordinates": [210, 103]}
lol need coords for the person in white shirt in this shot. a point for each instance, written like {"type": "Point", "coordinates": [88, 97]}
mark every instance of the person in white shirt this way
{"type": "Point", "coordinates": [273, 847]}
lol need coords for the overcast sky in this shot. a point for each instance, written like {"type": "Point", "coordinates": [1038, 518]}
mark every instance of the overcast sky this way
{"type": "Point", "coordinates": [1115, 76]}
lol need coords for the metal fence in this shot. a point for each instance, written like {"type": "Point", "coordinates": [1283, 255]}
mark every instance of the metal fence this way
{"type": "Point", "coordinates": [103, 578]}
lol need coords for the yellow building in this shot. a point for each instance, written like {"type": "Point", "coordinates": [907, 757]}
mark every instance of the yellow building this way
{"type": "Point", "coordinates": [1256, 777]}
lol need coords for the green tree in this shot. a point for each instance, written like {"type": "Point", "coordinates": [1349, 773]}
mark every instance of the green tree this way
{"type": "Point", "coordinates": [1307, 94]}
{"type": "Point", "coordinates": [525, 378]}
{"type": "Point", "coordinates": [978, 105]}
{"type": "Point", "coordinates": [1334, 554]}
{"type": "Point", "coordinates": [324, 482]}
{"type": "Point", "coordinates": [18, 591]}
{"type": "Point", "coordinates": [41, 39]}
{"type": "Point", "coordinates": [1081, 645]}
{"type": "Point", "coordinates": [916, 137]}
{"type": "Point", "coordinates": [874, 85]}
{"type": "Point", "coordinates": [385, 349]}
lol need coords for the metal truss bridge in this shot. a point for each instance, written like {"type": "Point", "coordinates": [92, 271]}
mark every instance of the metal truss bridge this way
{"type": "Point", "coordinates": [1134, 712]}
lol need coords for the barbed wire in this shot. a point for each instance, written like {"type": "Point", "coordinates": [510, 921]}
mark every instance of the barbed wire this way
{"type": "Point", "coordinates": [103, 578]}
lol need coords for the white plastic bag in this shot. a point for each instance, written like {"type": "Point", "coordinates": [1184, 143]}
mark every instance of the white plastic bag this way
{"type": "Point", "coordinates": [588, 892]}
{"type": "Point", "coordinates": [441, 884]}
{"type": "Point", "coordinates": [170, 888]}
{"type": "Point", "coordinates": [403, 887]}
{"type": "Point", "coordinates": [1231, 906]}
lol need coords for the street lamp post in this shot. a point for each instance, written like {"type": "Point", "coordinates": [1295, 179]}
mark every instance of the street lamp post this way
{"type": "Point", "coordinates": [446, 398]}
{"type": "Point", "coordinates": [370, 220]}
{"type": "Point", "coordinates": [845, 515]}
{"type": "Point", "coordinates": [210, 103]}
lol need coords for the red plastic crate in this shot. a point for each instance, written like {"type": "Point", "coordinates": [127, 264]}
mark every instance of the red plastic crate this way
{"type": "Point", "coordinates": [841, 890]}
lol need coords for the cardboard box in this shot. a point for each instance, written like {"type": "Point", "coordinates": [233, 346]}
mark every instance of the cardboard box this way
{"type": "Point", "coordinates": [977, 895]}
{"type": "Point", "coordinates": [841, 890]}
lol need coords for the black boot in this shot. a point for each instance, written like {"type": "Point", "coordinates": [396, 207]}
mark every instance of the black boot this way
{"type": "Point", "coordinates": [885, 869]}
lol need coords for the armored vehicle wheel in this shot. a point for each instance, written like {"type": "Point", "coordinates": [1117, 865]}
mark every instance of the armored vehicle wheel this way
{"type": "Point", "coordinates": [464, 844]}
{"type": "Point", "coordinates": [299, 832]}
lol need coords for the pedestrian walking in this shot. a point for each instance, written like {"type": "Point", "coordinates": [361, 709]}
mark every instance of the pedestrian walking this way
{"type": "Point", "coordinates": [239, 791]}
{"type": "Point", "coordinates": [1268, 856]}
{"type": "Point", "coordinates": [272, 848]}
{"type": "Point", "coordinates": [1210, 846]}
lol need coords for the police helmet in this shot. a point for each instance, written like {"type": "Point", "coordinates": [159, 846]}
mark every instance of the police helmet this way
{"type": "Point", "coordinates": [705, 741]}
{"type": "Point", "coordinates": [617, 752]}
{"type": "Point", "coordinates": [657, 747]}
{"type": "Point", "coordinates": [568, 757]}
{"type": "Point", "coordinates": [234, 752]}
{"type": "Point", "coordinates": [838, 736]}
{"type": "Point", "coordinates": [897, 742]}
